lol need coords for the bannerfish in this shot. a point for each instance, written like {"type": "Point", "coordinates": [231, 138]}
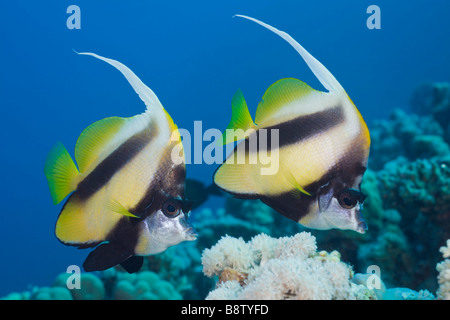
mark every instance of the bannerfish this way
{"type": "Point", "coordinates": [127, 195]}
{"type": "Point", "coordinates": [323, 148]}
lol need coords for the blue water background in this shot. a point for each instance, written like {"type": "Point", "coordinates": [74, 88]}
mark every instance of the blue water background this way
{"type": "Point", "coordinates": [194, 55]}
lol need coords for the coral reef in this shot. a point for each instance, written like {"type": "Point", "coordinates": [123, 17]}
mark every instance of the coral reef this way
{"type": "Point", "coordinates": [179, 266]}
{"type": "Point", "coordinates": [434, 99]}
{"type": "Point", "coordinates": [419, 186]}
{"type": "Point", "coordinates": [405, 135]}
{"type": "Point", "coordinates": [42, 293]}
{"type": "Point", "coordinates": [408, 188]}
{"type": "Point", "coordinates": [443, 268]}
{"type": "Point", "coordinates": [145, 285]}
{"type": "Point", "coordinates": [289, 268]}
{"type": "Point", "coordinates": [414, 221]}
{"type": "Point", "coordinates": [91, 287]}
{"type": "Point", "coordinates": [109, 284]}
{"type": "Point", "coordinates": [283, 268]}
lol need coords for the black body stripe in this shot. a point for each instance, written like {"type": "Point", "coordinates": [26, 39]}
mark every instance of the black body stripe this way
{"type": "Point", "coordinates": [291, 132]}
{"type": "Point", "coordinates": [300, 128]}
{"type": "Point", "coordinates": [168, 182]}
{"type": "Point", "coordinates": [341, 176]}
{"type": "Point", "coordinates": [114, 162]}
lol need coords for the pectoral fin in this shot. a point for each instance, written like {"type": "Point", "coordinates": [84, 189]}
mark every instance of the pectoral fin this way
{"type": "Point", "coordinates": [297, 187]}
{"type": "Point", "coordinates": [115, 206]}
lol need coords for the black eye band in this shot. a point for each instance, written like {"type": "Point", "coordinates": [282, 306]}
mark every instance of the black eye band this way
{"type": "Point", "coordinates": [358, 195]}
{"type": "Point", "coordinates": [173, 207]}
{"type": "Point", "coordinates": [349, 198]}
{"type": "Point", "coordinates": [186, 205]}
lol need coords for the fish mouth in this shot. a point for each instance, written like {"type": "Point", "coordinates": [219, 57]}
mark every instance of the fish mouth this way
{"type": "Point", "coordinates": [190, 234]}
{"type": "Point", "coordinates": [361, 227]}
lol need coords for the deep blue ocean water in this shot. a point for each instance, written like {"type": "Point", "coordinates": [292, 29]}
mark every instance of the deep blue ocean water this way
{"type": "Point", "coordinates": [194, 55]}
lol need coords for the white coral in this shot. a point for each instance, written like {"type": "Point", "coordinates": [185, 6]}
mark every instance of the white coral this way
{"type": "Point", "coordinates": [229, 252]}
{"type": "Point", "coordinates": [301, 245]}
{"type": "Point", "coordinates": [446, 250]}
{"type": "Point", "coordinates": [443, 268]}
{"type": "Point", "coordinates": [228, 290]}
{"type": "Point", "coordinates": [264, 248]}
{"type": "Point", "coordinates": [284, 268]}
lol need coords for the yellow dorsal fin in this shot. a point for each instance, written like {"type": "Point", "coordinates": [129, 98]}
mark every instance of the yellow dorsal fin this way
{"type": "Point", "coordinates": [280, 94]}
{"type": "Point", "coordinates": [61, 173]}
{"type": "Point", "coordinates": [241, 123]}
{"type": "Point", "coordinates": [93, 140]}
{"type": "Point", "coordinates": [117, 207]}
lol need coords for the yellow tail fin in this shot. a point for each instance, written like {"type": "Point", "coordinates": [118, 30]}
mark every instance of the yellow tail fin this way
{"type": "Point", "coordinates": [61, 173]}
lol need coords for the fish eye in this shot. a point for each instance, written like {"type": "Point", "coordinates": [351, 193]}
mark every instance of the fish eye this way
{"type": "Point", "coordinates": [347, 200]}
{"type": "Point", "coordinates": [171, 209]}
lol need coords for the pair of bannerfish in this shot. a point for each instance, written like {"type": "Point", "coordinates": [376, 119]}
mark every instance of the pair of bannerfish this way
{"type": "Point", "coordinates": [127, 195]}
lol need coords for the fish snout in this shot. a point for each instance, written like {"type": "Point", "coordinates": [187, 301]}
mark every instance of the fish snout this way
{"type": "Point", "coordinates": [190, 234]}
{"type": "Point", "coordinates": [361, 226]}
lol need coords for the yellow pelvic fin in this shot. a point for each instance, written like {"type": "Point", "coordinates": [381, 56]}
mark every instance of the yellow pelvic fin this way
{"type": "Point", "coordinates": [115, 206]}
{"type": "Point", "coordinates": [279, 94]}
{"type": "Point", "coordinates": [94, 138]}
{"type": "Point", "coordinates": [241, 124]}
{"type": "Point", "coordinates": [61, 173]}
